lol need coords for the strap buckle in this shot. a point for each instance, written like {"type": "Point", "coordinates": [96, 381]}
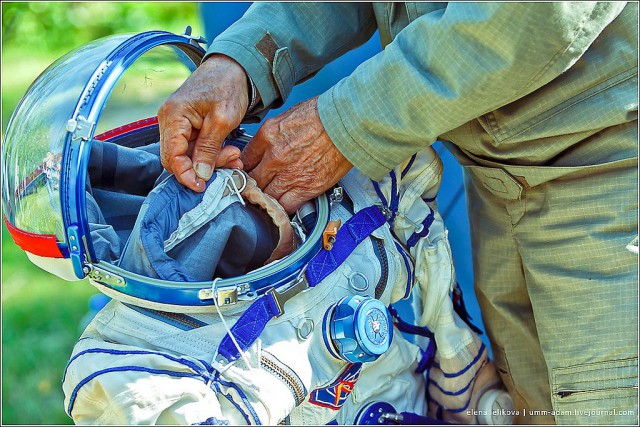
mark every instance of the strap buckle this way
{"type": "Point", "coordinates": [280, 299]}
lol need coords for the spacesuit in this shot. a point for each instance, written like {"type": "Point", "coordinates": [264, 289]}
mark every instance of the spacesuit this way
{"type": "Point", "coordinates": [268, 360]}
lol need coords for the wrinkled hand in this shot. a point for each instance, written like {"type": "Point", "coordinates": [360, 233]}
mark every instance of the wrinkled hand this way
{"type": "Point", "coordinates": [292, 158]}
{"type": "Point", "coordinates": [196, 118]}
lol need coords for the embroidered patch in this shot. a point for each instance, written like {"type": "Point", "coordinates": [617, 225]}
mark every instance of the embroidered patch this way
{"type": "Point", "coordinates": [335, 394]}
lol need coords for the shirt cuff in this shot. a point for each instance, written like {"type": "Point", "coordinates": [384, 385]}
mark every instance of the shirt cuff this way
{"type": "Point", "coordinates": [342, 129]}
{"type": "Point", "coordinates": [268, 65]}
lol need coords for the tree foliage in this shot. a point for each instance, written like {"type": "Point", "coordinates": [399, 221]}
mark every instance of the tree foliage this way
{"type": "Point", "coordinates": [57, 27]}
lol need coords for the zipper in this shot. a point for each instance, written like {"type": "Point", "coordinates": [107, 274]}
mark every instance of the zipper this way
{"type": "Point", "coordinates": [178, 320]}
{"type": "Point", "coordinates": [567, 393]}
{"type": "Point", "coordinates": [378, 249]}
{"type": "Point", "coordinates": [284, 373]}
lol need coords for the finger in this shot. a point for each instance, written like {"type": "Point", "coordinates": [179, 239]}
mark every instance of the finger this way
{"type": "Point", "coordinates": [174, 142]}
{"type": "Point", "coordinates": [262, 173]}
{"type": "Point", "coordinates": [254, 151]}
{"type": "Point", "coordinates": [206, 148]}
{"type": "Point", "coordinates": [277, 187]}
{"type": "Point", "coordinates": [187, 176]}
{"type": "Point", "coordinates": [227, 155]}
{"type": "Point", "coordinates": [292, 200]}
{"type": "Point", "coordinates": [234, 164]}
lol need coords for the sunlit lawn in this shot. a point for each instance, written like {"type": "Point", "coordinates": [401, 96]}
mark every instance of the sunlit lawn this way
{"type": "Point", "coordinates": [40, 323]}
{"type": "Point", "coordinates": [41, 314]}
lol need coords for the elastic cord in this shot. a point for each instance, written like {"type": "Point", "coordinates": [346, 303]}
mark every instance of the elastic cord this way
{"type": "Point", "coordinates": [214, 362]}
{"type": "Point", "coordinates": [231, 184]}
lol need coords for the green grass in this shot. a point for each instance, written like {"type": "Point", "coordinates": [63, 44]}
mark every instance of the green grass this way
{"type": "Point", "coordinates": [40, 312]}
{"type": "Point", "coordinates": [40, 324]}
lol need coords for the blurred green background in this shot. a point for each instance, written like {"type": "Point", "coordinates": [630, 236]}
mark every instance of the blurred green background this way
{"type": "Point", "coordinates": [41, 314]}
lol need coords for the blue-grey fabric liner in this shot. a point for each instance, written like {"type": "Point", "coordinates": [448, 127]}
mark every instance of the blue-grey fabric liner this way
{"type": "Point", "coordinates": [123, 179]}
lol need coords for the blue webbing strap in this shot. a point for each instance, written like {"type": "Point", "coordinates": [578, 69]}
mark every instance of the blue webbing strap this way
{"type": "Point", "coordinates": [252, 322]}
{"type": "Point", "coordinates": [392, 206]}
{"type": "Point", "coordinates": [425, 230]}
{"type": "Point", "coordinates": [351, 234]}
{"type": "Point", "coordinates": [249, 326]}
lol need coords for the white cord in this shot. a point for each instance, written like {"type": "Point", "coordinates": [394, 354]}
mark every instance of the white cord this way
{"type": "Point", "coordinates": [214, 362]}
{"type": "Point", "coordinates": [417, 227]}
{"type": "Point", "coordinates": [231, 184]}
{"type": "Point", "coordinates": [299, 230]}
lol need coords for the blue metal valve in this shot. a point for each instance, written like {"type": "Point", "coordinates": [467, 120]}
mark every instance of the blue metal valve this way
{"type": "Point", "coordinates": [360, 329]}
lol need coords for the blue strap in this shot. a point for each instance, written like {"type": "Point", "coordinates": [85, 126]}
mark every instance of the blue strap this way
{"type": "Point", "coordinates": [253, 321]}
{"type": "Point", "coordinates": [425, 230]}
{"type": "Point", "coordinates": [351, 234]}
{"type": "Point", "coordinates": [392, 206]}
{"type": "Point", "coordinates": [395, 197]}
{"type": "Point", "coordinates": [406, 169]}
{"type": "Point", "coordinates": [249, 326]}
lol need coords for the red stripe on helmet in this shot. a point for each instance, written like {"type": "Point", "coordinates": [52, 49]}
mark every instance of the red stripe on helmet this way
{"type": "Point", "coordinates": [45, 245]}
{"type": "Point", "coordinates": [127, 128]}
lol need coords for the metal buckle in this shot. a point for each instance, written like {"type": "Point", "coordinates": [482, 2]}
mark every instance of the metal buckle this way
{"type": "Point", "coordinates": [281, 298]}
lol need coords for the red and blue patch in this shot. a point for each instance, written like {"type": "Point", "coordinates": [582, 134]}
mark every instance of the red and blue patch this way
{"type": "Point", "coordinates": [335, 394]}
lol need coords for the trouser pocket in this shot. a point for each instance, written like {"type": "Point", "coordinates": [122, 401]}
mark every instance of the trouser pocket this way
{"type": "Point", "coordinates": [596, 393]}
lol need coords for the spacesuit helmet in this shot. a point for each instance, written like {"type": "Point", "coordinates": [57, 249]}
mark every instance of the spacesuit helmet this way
{"type": "Point", "coordinates": [107, 92]}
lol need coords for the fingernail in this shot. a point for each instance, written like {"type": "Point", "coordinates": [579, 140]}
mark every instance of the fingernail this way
{"type": "Point", "coordinates": [203, 170]}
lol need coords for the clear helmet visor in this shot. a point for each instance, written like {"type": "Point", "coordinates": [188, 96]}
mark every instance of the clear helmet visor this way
{"type": "Point", "coordinates": [35, 137]}
{"type": "Point", "coordinates": [102, 82]}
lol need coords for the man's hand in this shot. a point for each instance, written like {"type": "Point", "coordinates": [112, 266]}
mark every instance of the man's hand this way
{"type": "Point", "coordinates": [196, 118]}
{"type": "Point", "coordinates": [292, 158]}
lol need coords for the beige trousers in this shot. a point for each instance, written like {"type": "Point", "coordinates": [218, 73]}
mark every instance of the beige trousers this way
{"type": "Point", "coordinates": [558, 285]}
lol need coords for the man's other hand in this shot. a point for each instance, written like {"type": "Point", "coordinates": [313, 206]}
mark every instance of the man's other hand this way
{"type": "Point", "coordinates": [196, 118]}
{"type": "Point", "coordinates": [292, 158]}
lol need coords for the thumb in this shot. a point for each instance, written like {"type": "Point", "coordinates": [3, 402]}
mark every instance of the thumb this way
{"type": "Point", "coordinates": [207, 148]}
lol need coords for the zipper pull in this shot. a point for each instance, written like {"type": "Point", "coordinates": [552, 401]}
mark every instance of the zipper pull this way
{"type": "Point", "coordinates": [336, 196]}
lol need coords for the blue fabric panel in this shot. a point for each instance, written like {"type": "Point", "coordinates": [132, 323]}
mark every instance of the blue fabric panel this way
{"type": "Point", "coordinates": [350, 235]}
{"type": "Point", "coordinates": [240, 239]}
{"type": "Point", "coordinates": [249, 327]}
{"type": "Point", "coordinates": [122, 169]}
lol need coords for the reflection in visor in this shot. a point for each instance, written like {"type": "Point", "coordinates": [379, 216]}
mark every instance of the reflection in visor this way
{"type": "Point", "coordinates": [35, 136]}
{"type": "Point", "coordinates": [38, 198]}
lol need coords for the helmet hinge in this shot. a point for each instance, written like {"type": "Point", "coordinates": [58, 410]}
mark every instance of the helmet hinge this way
{"type": "Point", "coordinates": [105, 277]}
{"type": "Point", "coordinates": [80, 128]}
{"type": "Point", "coordinates": [75, 252]}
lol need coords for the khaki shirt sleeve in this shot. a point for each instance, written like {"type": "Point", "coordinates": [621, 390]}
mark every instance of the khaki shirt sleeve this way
{"type": "Point", "coordinates": [449, 67]}
{"type": "Point", "coordinates": [282, 44]}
